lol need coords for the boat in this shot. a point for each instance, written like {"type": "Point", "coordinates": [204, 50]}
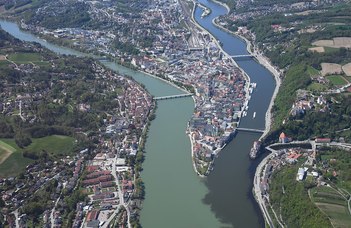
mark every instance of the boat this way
{"type": "Point", "coordinates": [254, 115]}
{"type": "Point", "coordinates": [254, 150]}
{"type": "Point", "coordinates": [205, 13]}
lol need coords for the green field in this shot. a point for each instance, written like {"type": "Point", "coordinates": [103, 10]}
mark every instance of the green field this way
{"type": "Point", "coordinates": [317, 87]}
{"type": "Point", "coordinates": [15, 163]}
{"type": "Point", "coordinates": [4, 63]}
{"type": "Point", "coordinates": [312, 71]}
{"type": "Point", "coordinates": [330, 49]}
{"type": "Point", "coordinates": [54, 145]}
{"type": "Point", "coordinates": [337, 80]}
{"type": "Point", "coordinates": [333, 204]}
{"type": "Point", "coordinates": [25, 57]}
{"type": "Point", "coordinates": [326, 157]}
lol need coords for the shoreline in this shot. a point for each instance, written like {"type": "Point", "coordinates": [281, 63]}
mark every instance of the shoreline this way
{"type": "Point", "coordinates": [222, 4]}
{"type": "Point", "coordinates": [164, 80]}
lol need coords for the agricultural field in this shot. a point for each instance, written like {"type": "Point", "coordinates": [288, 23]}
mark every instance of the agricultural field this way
{"type": "Point", "coordinates": [331, 68]}
{"type": "Point", "coordinates": [337, 80]}
{"type": "Point", "coordinates": [317, 49]}
{"type": "Point", "coordinates": [323, 43]}
{"type": "Point", "coordinates": [347, 69]}
{"type": "Point", "coordinates": [14, 162]}
{"type": "Point", "coordinates": [337, 42]}
{"type": "Point", "coordinates": [5, 151]}
{"type": "Point", "coordinates": [332, 203]}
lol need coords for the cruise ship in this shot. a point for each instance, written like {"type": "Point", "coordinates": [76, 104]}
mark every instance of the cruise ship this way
{"type": "Point", "coordinates": [254, 150]}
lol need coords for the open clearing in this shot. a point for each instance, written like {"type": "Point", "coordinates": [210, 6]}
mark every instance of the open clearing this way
{"type": "Point", "coordinates": [333, 204]}
{"type": "Point", "coordinates": [2, 57]}
{"type": "Point", "coordinates": [331, 68]}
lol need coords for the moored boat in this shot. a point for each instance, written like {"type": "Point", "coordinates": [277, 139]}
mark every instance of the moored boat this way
{"type": "Point", "coordinates": [254, 150]}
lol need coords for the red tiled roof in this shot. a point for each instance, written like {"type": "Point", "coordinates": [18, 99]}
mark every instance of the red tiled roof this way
{"type": "Point", "coordinates": [92, 215]}
{"type": "Point", "coordinates": [282, 135]}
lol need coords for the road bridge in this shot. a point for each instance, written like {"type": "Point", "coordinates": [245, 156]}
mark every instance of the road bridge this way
{"type": "Point", "coordinates": [241, 56]}
{"type": "Point", "coordinates": [250, 130]}
{"type": "Point", "coordinates": [173, 96]}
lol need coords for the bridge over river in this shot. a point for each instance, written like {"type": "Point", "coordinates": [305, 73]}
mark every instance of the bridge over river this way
{"type": "Point", "coordinates": [173, 96]}
{"type": "Point", "coordinates": [250, 130]}
{"type": "Point", "coordinates": [237, 57]}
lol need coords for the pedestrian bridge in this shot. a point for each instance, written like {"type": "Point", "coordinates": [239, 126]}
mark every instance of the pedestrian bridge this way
{"type": "Point", "coordinates": [241, 56]}
{"type": "Point", "coordinates": [250, 130]}
{"type": "Point", "coordinates": [173, 96]}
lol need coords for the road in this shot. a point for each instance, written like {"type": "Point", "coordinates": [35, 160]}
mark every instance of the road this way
{"type": "Point", "coordinates": [257, 189]}
{"type": "Point", "coordinates": [120, 196]}
{"type": "Point", "coordinates": [16, 218]}
{"type": "Point", "coordinates": [53, 211]}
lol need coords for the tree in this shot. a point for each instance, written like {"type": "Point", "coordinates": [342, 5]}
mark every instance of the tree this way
{"type": "Point", "coordinates": [22, 140]}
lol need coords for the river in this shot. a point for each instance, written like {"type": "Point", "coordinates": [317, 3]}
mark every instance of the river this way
{"type": "Point", "coordinates": [175, 195]}
{"type": "Point", "coordinates": [230, 184]}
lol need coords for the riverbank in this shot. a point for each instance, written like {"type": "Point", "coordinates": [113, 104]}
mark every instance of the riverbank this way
{"type": "Point", "coordinates": [222, 4]}
{"type": "Point", "coordinates": [164, 80]}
